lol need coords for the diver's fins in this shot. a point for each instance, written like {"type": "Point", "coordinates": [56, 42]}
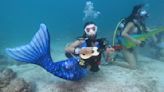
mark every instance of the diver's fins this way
{"type": "Point", "coordinates": [38, 52]}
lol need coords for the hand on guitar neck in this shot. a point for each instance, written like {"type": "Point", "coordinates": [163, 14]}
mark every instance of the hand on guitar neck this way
{"type": "Point", "coordinates": [88, 52]}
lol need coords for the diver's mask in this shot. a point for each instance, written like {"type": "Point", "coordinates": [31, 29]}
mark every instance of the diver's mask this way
{"type": "Point", "coordinates": [91, 30]}
{"type": "Point", "coordinates": [143, 13]}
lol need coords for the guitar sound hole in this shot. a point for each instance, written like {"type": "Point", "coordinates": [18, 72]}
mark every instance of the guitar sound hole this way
{"type": "Point", "coordinates": [92, 51]}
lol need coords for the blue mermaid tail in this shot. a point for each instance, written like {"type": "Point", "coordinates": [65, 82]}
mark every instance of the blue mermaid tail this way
{"type": "Point", "coordinates": [38, 52]}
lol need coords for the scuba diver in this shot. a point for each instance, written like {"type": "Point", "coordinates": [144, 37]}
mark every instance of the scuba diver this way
{"type": "Point", "coordinates": [132, 25]}
{"type": "Point", "coordinates": [86, 45]}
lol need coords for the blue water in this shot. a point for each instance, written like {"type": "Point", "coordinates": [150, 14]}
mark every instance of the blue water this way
{"type": "Point", "coordinates": [20, 19]}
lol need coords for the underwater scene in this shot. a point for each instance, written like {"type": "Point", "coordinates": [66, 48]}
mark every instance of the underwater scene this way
{"type": "Point", "coordinates": [82, 46]}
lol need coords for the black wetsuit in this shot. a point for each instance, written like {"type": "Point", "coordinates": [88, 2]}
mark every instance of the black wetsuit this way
{"type": "Point", "coordinates": [93, 61]}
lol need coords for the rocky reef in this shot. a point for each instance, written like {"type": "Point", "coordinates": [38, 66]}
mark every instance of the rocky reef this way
{"type": "Point", "coordinates": [9, 82]}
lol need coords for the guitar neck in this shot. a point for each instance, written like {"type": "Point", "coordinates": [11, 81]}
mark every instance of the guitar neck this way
{"type": "Point", "coordinates": [144, 36]}
{"type": "Point", "coordinates": [154, 32]}
{"type": "Point", "coordinates": [117, 47]}
{"type": "Point", "coordinates": [141, 37]}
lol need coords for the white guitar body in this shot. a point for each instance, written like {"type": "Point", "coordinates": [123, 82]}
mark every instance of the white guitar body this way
{"type": "Point", "coordinates": [93, 53]}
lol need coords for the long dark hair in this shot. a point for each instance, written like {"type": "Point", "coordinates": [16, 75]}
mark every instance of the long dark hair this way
{"type": "Point", "coordinates": [135, 11]}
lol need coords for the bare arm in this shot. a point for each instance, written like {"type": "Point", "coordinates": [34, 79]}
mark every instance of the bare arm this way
{"type": "Point", "coordinates": [71, 48]}
{"type": "Point", "coordinates": [127, 29]}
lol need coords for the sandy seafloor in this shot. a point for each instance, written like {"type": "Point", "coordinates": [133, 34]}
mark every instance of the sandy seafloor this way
{"type": "Point", "coordinates": [149, 77]}
{"type": "Point", "coordinates": [19, 17]}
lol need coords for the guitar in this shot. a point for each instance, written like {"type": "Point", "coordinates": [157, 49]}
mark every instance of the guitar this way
{"type": "Point", "coordinates": [94, 52]}
{"type": "Point", "coordinates": [142, 37]}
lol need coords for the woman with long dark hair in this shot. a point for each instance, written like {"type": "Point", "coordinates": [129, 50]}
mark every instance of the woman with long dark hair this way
{"type": "Point", "coordinates": [133, 25]}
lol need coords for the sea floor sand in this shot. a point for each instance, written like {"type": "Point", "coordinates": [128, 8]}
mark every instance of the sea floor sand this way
{"type": "Point", "coordinates": [149, 77]}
